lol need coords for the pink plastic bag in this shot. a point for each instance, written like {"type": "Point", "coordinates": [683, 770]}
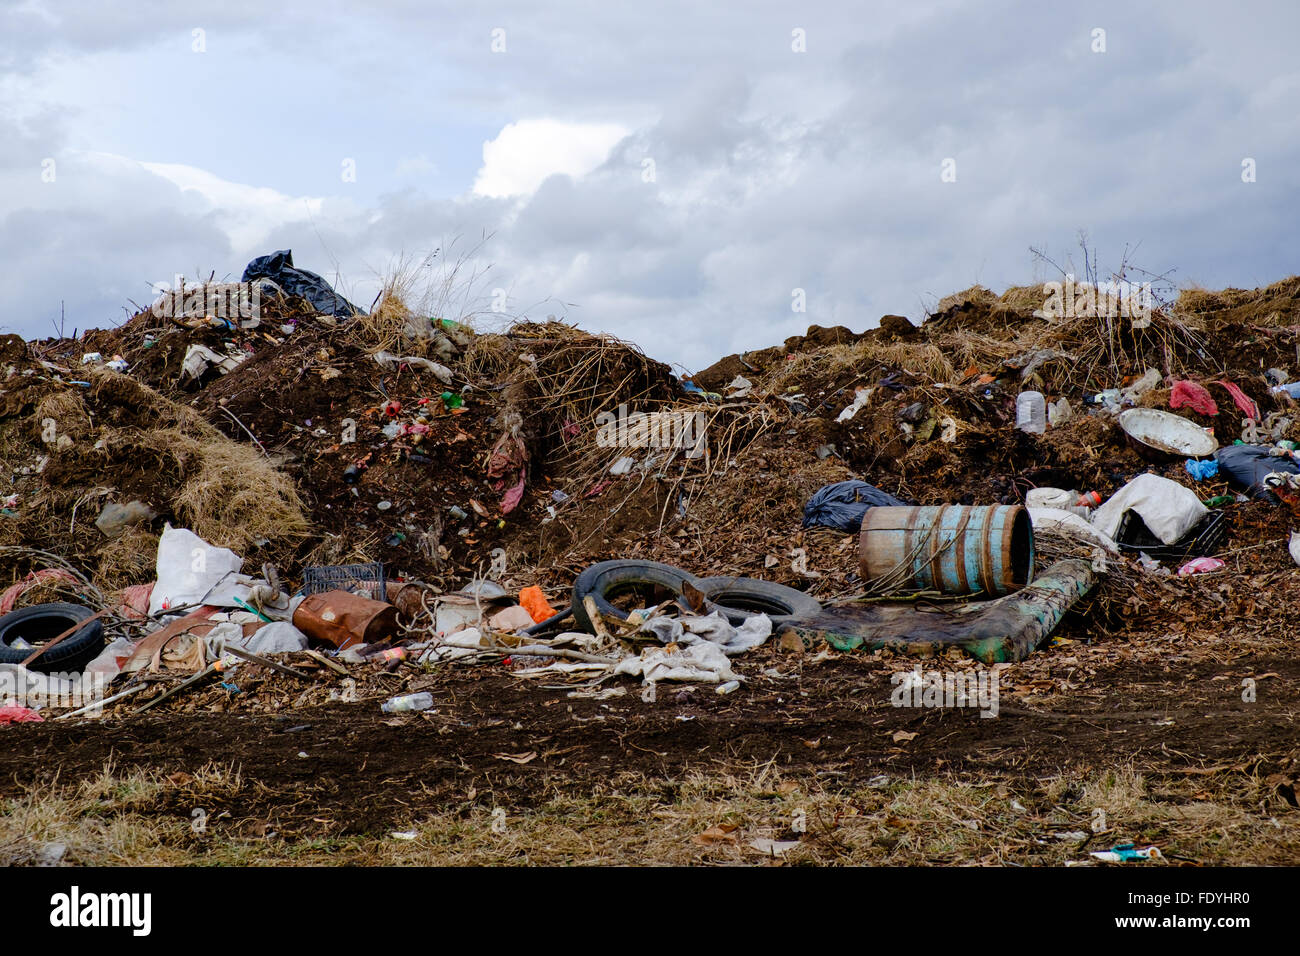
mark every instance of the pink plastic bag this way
{"type": "Point", "coordinates": [1200, 565]}
{"type": "Point", "coordinates": [19, 715]}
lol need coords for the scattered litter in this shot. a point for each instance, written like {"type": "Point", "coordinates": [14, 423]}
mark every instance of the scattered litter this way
{"type": "Point", "coordinates": [1126, 852]}
{"type": "Point", "coordinates": [407, 702]}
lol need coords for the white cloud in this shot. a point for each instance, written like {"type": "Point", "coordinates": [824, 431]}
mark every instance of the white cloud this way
{"type": "Point", "coordinates": [524, 154]}
{"type": "Point", "coordinates": [245, 213]}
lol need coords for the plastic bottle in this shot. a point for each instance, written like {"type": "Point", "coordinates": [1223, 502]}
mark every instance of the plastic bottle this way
{"type": "Point", "coordinates": [1031, 412]}
{"type": "Point", "coordinates": [407, 702]}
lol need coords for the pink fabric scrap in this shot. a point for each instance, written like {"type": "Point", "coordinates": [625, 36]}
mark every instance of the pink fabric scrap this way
{"type": "Point", "coordinates": [133, 601]}
{"type": "Point", "coordinates": [11, 595]}
{"type": "Point", "coordinates": [1194, 396]}
{"type": "Point", "coordinates": [508, 470]}
{"type": "Point", "coordinates": [1244, 402]}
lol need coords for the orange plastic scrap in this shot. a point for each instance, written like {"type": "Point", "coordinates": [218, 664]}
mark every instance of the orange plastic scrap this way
{"type": "Point", "coordinates": [534, 602]}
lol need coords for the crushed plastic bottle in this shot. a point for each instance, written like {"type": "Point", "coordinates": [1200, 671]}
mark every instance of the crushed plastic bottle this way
{"type": "Point", "coordinates": [1031, 412]}
{"type": "Point", "coordinates": [1050, 498]}
{"type": "Point", "coordinates": [406, 703]}
{"type": "Point", "coordinates": [1060, 412]}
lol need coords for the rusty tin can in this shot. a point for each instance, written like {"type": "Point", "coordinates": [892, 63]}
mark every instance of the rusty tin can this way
{"type": "Point", "coordinates": [344, 619]}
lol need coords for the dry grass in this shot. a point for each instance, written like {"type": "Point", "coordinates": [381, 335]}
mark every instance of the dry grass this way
{"type": "Point", "coordinates": [106, 820]}
{"type": "Point", "coordinates": [1196, 299]}
{"type": "Point", "coordinates": [233, 496]}
{"type": "Point", "coordinates": [127, 560]}
{"type": "Point", "coordinates": [69, 413]}
{"type": "Point", "coordinates": [976, 294]}
{"type": "Point", "coordinates": [713, 818]}
{"type": "Point", "coordinates": [446, 284]}
{"type": "Point", "coordinates": [862, 357]}
{"type": "Point", "coordinates": [384, 326]}
{"type": "Point", "coordinates": [1022, 300]}
{"type": "Point", "coordinates": [229, 494]}
{"type": "Point", "coordinates": [971, 348]}
{"type": "Point", "coordinates": [123, 431]}
{"type": "Point", "coordinates": [335, 549]}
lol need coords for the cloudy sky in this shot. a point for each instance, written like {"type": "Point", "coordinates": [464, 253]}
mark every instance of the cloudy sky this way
{"type": "Point", "coordinates": [673, 173]}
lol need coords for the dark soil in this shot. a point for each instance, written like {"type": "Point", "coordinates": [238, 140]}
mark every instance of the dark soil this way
{"type": "Point", "coordinates": [365, 772]}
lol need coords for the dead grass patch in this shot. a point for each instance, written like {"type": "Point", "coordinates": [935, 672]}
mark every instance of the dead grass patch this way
{"type": "Point", "coordinates": [752, 815]}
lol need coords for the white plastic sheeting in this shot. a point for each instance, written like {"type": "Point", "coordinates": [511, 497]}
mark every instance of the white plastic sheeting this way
{"type": "Point", "coordinates": [188, 568]}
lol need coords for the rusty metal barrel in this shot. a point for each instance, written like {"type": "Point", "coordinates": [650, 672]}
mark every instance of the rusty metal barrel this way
{"type": "Point", "coordinates": [955, 549]}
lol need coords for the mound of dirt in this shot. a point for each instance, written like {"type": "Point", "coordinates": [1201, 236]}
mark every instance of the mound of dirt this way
{"type": "Point", "coordinates": [309, 450]}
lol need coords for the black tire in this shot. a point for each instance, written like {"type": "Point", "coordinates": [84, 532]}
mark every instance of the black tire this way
{"type": "Point", "coordinates": [606, 579]}
{"type": "Point", "coordinates": [739, 598]}
{"type": "Point", "coordinates": [44, 622]}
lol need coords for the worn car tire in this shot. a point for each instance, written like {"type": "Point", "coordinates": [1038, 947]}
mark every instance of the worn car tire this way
{"type": "Point", "coordinates": [739, 598]}
{"type": "Point", "coordinates": [606, 579]}
{"type": "Point", "coordinates": [43, 622]}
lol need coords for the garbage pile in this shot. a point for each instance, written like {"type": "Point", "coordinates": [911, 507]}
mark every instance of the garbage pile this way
{"type": "Point", "coordinates": [314, 494]}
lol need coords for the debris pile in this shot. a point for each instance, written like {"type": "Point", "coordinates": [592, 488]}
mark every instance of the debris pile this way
{"type": "Point", "coordinates": [315, 502]}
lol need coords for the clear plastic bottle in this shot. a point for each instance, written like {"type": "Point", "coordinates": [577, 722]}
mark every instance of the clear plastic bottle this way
{"type": "Point", "coordinates": [407, 702]}
{"type": "Point", "coordinates": [1031, 412]}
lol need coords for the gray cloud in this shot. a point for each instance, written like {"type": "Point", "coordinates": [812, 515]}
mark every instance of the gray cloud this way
{"type": "Point", "coordinates": [773, 170]}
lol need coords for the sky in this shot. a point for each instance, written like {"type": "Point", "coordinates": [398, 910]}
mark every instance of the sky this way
{"type": "Point", "coordinates": [697, 178]}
